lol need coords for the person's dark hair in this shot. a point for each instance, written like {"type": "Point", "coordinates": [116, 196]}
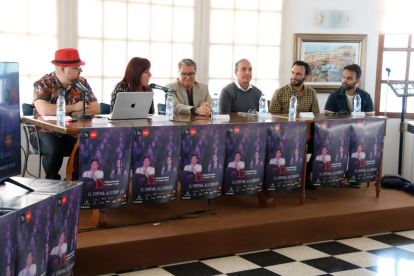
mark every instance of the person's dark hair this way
{"type": "Point", "coordinates": [359, 145]}
{"type": "Point", "coordinates": [192, 155]}
{"type": "Point", "coordinates": [237, 152]}
{"type": "Point", "coordinates": [135, 68]}
{"type": "Point", "coordinates": [325, 147]}
{"type": "Point", "coordinates": [93, 160]}
{"type": "Point", "coordinates": [28, 252]}
{"type": "Point", "coordinates": [212, 162]}
{"type": "Point", "coordinates": [116, 167]}
{"type": "Point", "coordinates": [279, 150]}
{"type": "Point", "coordinates": [166, 164]}
{"type": "Point", "coordinates": [355, 68]}
{"type": "Point", "coordinates": [304, 64]}
{"type": "Point", "coordinates": [145, 157]}
{"type": "Point", "coordinates": [254, 157]}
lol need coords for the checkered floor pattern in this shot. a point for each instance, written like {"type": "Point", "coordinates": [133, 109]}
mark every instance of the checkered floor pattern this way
{"type": "Point", "coordinates": [382, 254]}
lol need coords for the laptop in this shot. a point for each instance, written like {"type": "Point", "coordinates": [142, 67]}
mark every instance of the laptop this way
{"type": "Point", "coordinates": [130, 105]}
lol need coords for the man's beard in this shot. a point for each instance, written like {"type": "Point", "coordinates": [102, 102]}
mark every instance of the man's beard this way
{"type": "Point", "coordinates": [76, 79]}
{"type": "Point", "coordinates": [349, 87]}
{"type": "Point", "coordinates": [299, 83]}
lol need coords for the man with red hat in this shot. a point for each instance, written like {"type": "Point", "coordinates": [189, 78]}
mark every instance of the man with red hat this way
{"type": "Point", "coordinates": [67, 72]}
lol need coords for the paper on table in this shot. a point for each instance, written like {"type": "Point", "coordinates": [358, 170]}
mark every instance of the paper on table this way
{"type": "Point", "coordinates": [54, 118]}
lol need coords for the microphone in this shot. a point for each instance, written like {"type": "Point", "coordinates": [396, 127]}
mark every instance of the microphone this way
{"type": "Point", "coordinates": [84, 91]}
{"type": "Point", "coordinates": [81, 87]}
{"type": "Point", "coordinates": [388, 70]}
{"type": "Point", "coordinates": [165, 89]}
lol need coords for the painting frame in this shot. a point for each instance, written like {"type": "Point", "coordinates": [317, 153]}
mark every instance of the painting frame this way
{"type": "Point", "coordinates": [360, 40]}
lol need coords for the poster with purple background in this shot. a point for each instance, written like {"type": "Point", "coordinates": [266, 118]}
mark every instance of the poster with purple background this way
{"type": "Point", "coordinates": [365, 149]}
{"type": "Point", "coordinates": [64, 232]}
{"type": "Point", "coordinates": [245, 156]}
{"type": "Point", "coordinates": [34, 233]}
{"type": "Point", "coordinates": [285, 146]}
{"type": "Point", "coordinates": [202, 161]}
{"type": "Point", "coordinates": [330, 152]}
{"type": "Point", "coordinates": [104, 165]}
{"type": "Point", "coordinates": [7, 242]}
{"type": "Point", "coordinates": [155, 163]}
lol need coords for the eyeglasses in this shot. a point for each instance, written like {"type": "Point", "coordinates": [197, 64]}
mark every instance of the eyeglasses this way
{"type": "Point", "coordinates": [184, 75]}
{"type": "Point", "coordinates": [76, 68]}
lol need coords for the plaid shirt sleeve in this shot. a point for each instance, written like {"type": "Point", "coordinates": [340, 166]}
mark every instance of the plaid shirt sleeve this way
{"type": "Point", "coordinates": [315, 104]}
{"type": "Point", "coordinates": [280, 101]}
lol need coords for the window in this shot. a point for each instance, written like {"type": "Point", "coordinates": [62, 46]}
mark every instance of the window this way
{"type": "Point", "coordinates": [28, 36]}
{"type": "Point", "coordinates": [244, 29]}
{"type": "Point", "coordinates": [395, 52]}
{"type": "Point", "coordinates": [159, 30]}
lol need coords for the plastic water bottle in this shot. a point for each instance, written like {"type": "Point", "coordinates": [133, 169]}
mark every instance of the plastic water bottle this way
{"type": "Point", "coordinates": [60, 109]}
{"type": "Point", "coordinates": [262, 104]}
{"type": "Point", "coordinates": [214, 105]}
{"type": "Point", "coordinates": [357, 103]}
{"type": "Point", "coordinates": [293, 105]}
{"type": "Point", "coordinates": [169, 108]}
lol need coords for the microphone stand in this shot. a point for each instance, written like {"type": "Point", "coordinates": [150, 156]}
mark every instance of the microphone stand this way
{"type": "Point", "coordinates": [83, 116]}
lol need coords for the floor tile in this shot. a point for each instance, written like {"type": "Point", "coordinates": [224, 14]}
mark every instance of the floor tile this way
{"type": "Point", "coordinates": [267, 258]}
{"type": "Point", "coordinates": [254, 272]}
{"type": "Point", "coordinates": [333, 248]}
{"type": "Point", "coordinates": [389, 267]}
{"type": "Point", "coordinates": [409, 247]}
{"type": "Point", "coordinates": [362, 259]}
{"type": "Point", "coordinates": [364, 243]}
{"type": "Point", "coordinates": [373, 268]}
{"type": "Point", "coordinates": [407, 234]}
{"type": "Point", "coordinates": [393, 239]}
{"type": "Point", "coordinates": [356, 272]}
{"type": "Point", "coordinates": [230, 264]}
{"type": "Point", "coordinates": [330, 264]}
{"type": "Point", "coordinates": [393, 253]}
{"type": "Point", "coordinates": [300, 253]}
{"type": "Point", "coordinates": [149, 272]}
{"type": "Point", "coordinates": [191, 269]}
{"type": "Point", "coordinates": [295, 269]}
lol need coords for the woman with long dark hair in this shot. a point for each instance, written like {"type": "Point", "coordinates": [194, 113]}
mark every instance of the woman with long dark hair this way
{"type": "Point", "coordinates": [119, 169]}
{"type": "Point", "coordinates": [169, 166]}
{"type": "Point", "coordinates": [136, 79]}
{"type": "Point", "coordinates": [215, 163]}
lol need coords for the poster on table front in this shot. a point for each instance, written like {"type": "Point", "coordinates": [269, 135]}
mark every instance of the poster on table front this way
{"type": "Point", "coordinates": [330, 152]}
{"type": "Point", "coordinates": [64, 233]}
{"type": "Point", "coordinates": [34, 233]}
{"type": "Point", "coordinates": [202, 161]}
{"type": "Point", "coordinates": [104, 165]}
{"type": "Point", "coordinates": [155, 164]}
{"type": "Point", "coordinates": [285, 146]}
{"type": "Point", "coordinates": [7, 242]}
{"type": "Point", "coordinates": [365, 149]}
{"type": "Point", "coordinates": [245, 158]}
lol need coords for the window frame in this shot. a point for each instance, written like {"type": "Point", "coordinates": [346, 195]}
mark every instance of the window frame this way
{"type": "Point", "coordinates": [379, 81]}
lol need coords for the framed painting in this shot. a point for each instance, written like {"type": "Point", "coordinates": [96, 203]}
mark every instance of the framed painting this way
{"type": "Point", "coordinates": [327, 55]}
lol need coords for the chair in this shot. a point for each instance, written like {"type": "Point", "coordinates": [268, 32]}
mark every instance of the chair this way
{"type": "Point", "coordinates": [28, 129]}
{"type": "Point", "coordinates": [161, 108]}
{"type": "Point", "coordinates": [105, 108]}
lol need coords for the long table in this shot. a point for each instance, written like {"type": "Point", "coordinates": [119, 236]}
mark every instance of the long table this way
{"type": "Point", "coordinates": [265, 198]}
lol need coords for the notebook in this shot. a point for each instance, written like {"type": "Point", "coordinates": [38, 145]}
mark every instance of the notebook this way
{"type": "Point", "coordinates": [130, 105]}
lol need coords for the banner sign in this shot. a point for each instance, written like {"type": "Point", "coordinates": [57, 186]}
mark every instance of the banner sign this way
{"type": "Point", "coordinates": [104, 165]}
{"type": "Point", "coordinates": [34, 233]}
{"type": "Point", "coordinates": [155, 163]}
{"type": "Point", "coordinates": [202, 161]}
{"type": "Point", "coordinates": [330, 152]}
{"type": "Point", "coordinates": [245, 155]}
{"type": "Point", "coordinates": [7, 242]}
{"type": "Point", "coordinates": [285, 145]}
{"type": "Point", "coordinates": [365, 149]}
{"type": "Point", "coordinates": [64, 233]}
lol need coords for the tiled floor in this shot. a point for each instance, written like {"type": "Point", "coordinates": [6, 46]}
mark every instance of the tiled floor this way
{"type": "Point", "coordinates": [385, 254]}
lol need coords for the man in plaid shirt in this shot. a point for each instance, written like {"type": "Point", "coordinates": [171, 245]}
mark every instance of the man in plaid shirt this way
{"type": "Point", "coordinates": [307, 100]}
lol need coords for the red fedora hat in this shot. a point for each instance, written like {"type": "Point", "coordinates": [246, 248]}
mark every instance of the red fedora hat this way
{"type": "Point", "coordinates": [67, 57]}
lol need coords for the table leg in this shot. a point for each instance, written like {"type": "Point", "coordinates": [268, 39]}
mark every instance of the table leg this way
{"type": "Point", "coordinates": [378, 186]}
{"type": "Point", "coordinates": [99, 218]}
{"type": "Point", "coordinates": [302, 191]}
{"type": "Point", "coordinates": [265, 199]}
{"type": "Point", "coordinates": [72, 168]}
